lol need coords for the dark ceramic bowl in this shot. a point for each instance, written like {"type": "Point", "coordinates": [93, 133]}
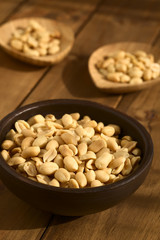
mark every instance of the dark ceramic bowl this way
{"type": "Point", "coordinates": [76, 202]}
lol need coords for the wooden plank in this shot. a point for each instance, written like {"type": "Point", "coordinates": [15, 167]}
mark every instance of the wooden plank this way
{"type": "Point", "coordinates": [113, 29]}
{"type": "Point", "coordinates": [70, 79]}
{"type": "Point", "coordinates": [18, 219]}
{"type": "Point", "coordinates": [7, 7]}
{"type": "Point", "coordinates": [73, 13]}
{"type": "Point", "coordinates": [15, 214]}
{"type": "Point", "coordinates": [145, 107]}
{"type": "Point", "coordinates": [144, 9]}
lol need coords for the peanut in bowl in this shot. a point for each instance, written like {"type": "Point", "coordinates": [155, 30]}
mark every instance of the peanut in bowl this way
{"type": "Point", "coordinates": [124, 67]}
{"type": "Point", "coordinates": [84, 200]}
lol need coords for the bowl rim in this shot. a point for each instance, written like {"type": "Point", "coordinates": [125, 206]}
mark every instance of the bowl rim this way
{"type": "Point", "coordinates": [148, 155]}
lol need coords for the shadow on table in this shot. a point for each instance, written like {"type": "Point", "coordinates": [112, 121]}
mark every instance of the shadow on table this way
{"type": "Point", "coordinates": [77, 79]}
{"type": "Point", "coordinates": [16, 214]}
{"type": "Point", "coordinates": [8, 62]}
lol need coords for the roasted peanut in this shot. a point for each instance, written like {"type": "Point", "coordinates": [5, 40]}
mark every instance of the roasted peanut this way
{"type": "Point", "coordinates": [5, 155]}
{"type": "Point", "coordinates": [69, 138]}
{"type": "Point", "coordinates": [30, 169]}
{"type": "Point", "coordinates": [90, 164]}
{"type": "Point", "coordinates": [35, 40]}
{"type": "Point", "coordinates": [125, 67]}
{"type": "Point", "coordinates": [73, 148]}
{"type": "Point", "coordinates": [67, 120]}
{"type": "Point", "coordinates": [82, 148]}
{"type": "Point", "coordinates": [88, 155]}
{"type": "Point", "coordinates": [52, 144]}
{"type": "Point", "coordinates": [30, 152]}
{"type": "Point", "coordinates": [28, 133]}
{"type": "Point", "coordinates": [15, 161]}
{"type": "Point", "coordinates": [8, 144]}
{"type": "Point", "coordinates": [40, 141]}
{"type": "Point", "coordinates": [127, 167]}
{"type": "Point", "coordinates": [90, 175]}
{"type": "Point", "coordinates": [97, 145]}
{"type": "Point", "coordinates": [70, 163]}
{"type": "Point", "coordinates": [49, 155]}
{"type": "Point", "coordinates": [62, 175]}
{"type": "Point", "coordinates": [65, 150]}
{"type": "Point", "coordinates": [108, 130]}
{"type": "Point", "coordinates": [102, 176]}
{"type": "Point", "coordinates": [54, 183]}
{"type": "Point", "coordinates": [103, 150]}
{"type": "Point", "coordinates": [118, 169]}
{"type": "Point", "coordinates": [116, 162]}
{"type": "Point", "coordinates": [96, 183]}
{"type": "Point", "coordinates": [103, 161]}
{"type": "Point", "coordinates": [43, 179]}
{"type": "Point", "coordinates": [81, 179]}
{"type": "Point", "coordinates": [73, 183]}
{"type": "Point", "coordinates": [47, 168]}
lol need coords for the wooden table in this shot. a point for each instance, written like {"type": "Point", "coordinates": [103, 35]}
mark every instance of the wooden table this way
{"type": "Point", "coordinates": [95, 23]}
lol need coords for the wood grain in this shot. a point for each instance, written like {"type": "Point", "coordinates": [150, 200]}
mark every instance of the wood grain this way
{"type": "Point", "coordinates": [73, 13]}
{"type": "Point", "coordinates": [112, 29]}
{"type": "Point", "coordinates": [147, 10]}
{"type": "Point", "coordinates": [146, 109]}
{"type": "Point", "coordinates": [8, 7]}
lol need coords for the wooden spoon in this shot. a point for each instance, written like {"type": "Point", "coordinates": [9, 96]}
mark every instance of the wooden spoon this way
{"type": "Point", "coordinates": [113, 87]}
{"type": "Point", "coordinates": [66, 40]}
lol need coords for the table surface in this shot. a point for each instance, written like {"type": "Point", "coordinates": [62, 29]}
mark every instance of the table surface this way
{"type": "Point", "coordinates": [95, 23]}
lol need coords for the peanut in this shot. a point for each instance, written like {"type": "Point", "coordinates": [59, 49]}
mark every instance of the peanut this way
{"type": "Point", "coordinates": [103, 161]}
{"type": "Point", "coordinates": [96, 183]}
{"type": "Point", "coordinates": [97, 145]}
{"type": "Point", "coordinates": [54, 183]}
{"type": "Point", "coordinates": [62, 175]}
{"type": "Point", "coordinates": [30, 152]}
{"type": "Point", "coordinates": [125, 67]}
{"type": "Point", "coordinates": [30, 169]}
{"type": "Point", "coordinates": [73, 183]}
{"type": "Point", "coordinates": [90, 175]}
{"type": "Point", "coordinates": [47, 168]}
{"type": "Point", "coordinates": [102, 176]}
{"type": "Point", "coordinates": [70, 164]}
{"type": "Point", "coordinates": [35, 40]}
{"type": "Point", "coordinates": [15, 161]}
{"type": "Point", "coordinates": [81, 179]}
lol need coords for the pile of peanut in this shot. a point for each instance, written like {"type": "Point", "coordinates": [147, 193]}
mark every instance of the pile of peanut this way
{"type": "Point", "coordinates": [70, 152]}
{"type": "Point", "coordinates": [125, 67]}
{"type": "Point", "coordinates": [35, 40]}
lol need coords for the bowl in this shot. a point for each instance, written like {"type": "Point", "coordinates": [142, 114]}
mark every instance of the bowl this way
{"type": "Point", "coordinates": [113, 87]}
{"type": "Point", "coordinates": [67, 40]}
{"type": "Point", "coordinates": [76, 202]}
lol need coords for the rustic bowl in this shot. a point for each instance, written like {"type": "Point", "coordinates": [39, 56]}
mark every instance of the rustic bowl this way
{"type": "Point", "coordinates": [76, 202]}
{"type": "Point", "coordinates": [67, 40]}
{"type": "Point", "coordinates": [113, 87]}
